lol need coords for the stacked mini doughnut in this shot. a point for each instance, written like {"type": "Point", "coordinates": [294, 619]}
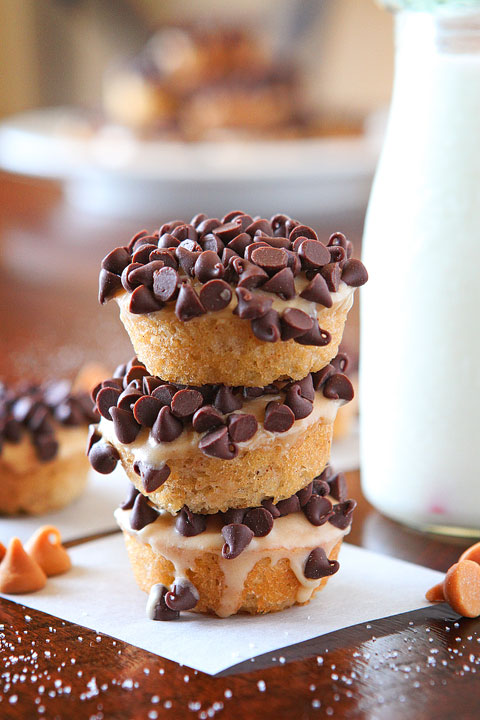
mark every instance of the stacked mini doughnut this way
{"type": "Point", "coordinates": [42, 441]}
{"type": "Point", "coordinates": [226, 413]}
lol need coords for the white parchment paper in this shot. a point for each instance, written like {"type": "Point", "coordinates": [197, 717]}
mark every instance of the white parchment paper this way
{"type": "Point", "coordinates": [92, 513]}
{"type": "Point", "coordinates": [100, 593]}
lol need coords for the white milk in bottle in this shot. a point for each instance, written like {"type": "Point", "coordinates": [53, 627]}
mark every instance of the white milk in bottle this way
{"type": "Point", "coordinates": [420, 324]}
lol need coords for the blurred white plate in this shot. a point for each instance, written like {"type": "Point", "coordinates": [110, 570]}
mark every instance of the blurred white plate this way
{"type": "Point", "coordinates": [112, 172]}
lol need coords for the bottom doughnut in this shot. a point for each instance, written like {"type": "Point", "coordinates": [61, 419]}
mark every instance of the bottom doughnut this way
{"type": "Point", "coordinates": [267, 576]}
{"type": "Point", "coordinates": [31, 486]}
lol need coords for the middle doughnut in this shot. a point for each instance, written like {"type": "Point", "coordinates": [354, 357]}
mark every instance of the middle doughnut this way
{"type": "Point", "coordinates": [215, 447]}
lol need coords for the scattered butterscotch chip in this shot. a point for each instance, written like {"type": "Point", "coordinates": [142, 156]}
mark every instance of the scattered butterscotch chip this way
{"type": "Point", "coordinates": [472, 553]}
{"type": "Point", "coordinates": [435, 594]}
{"type": "Point", "coordinates": [462, 588]}
{"type": "Point", "coordinates": [3, 550]}
{"type": "Point", "coordinates": [45, 547]}
{"type": "Point", "coordinates": [19, 573]}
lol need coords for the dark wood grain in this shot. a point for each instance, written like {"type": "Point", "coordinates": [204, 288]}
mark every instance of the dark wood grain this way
{"type": "Point", "coordinates": [417, 665]}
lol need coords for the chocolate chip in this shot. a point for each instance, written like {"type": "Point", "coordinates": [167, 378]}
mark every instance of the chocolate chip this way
{"type": "Point", "coordinates": [319, 378]}
{"type": "Point", "coordinates": [129, 501]}
{"type": "Point", "coordinates": [259, 520]}
{"type": "Point", "coordinates": [288, 506]}
{"type": "Point", "coordinates": [93, 437]}
{"type": "Point", "coordinates": [46, 447]}
{"type": "Point", "coordinates": [12, 431]}
{"type": "Point", "coordinates": [138, 236]}
{"type": "Point", "coordinates": [217, 444]}
{"type": "Point", "coordinates": [338, 239]}
{"type": "Point", "coordinates": [267, 328]}
{"type": "Point", "coordinates": [300, 406]}
{"type": "Point", "coordinates": [252, 247]}
{"type": "Point", "coordinates": [69, 413]}
{"type": "Point", "coordinates": [142, 513]}
{"type": "Point", "coordinates": [107, 398]}
{"type": "Point", "coordinates": [278, 417]}
{"type": "Point", "coordinates": [228, 230]}
{"type": "Point", "coordinates": [167, 257]}
{"type": "Point", "coordinates": [190, 524]}
{"type": "Point", "coordinates": [215, 295]}
{"type": "Point", "coordinates": [136, 372]}
{"type": "Point", "coordinates": [150, 383]}
{"type": "Point", "coordinates": [305, 494]}
{"type": "Point", "coordinates": [306, 387]}
{"type": "Point", "coordinates": [251, 305]}
{"type": "Point", "coordinates": [103, 457]}
{"type": "Point", "coordinates": [166, 241]}
{"type": "Point", "coordinates": [250, 275]}
{"type": "Point", "coordinates": [317, 291]}
{"type": "Point", "coordinates": [146, 409]}
{"type": "Point", "coordinates": [143, 240]}
{"type": "Point", "coordinates": [125, 426]}
{"type": "Point", "coordinates": [302, 231]}
{"type": "Point", "coordinates": [279, 222]}
{"type": "Point", "coordinates": [157, 608]}
{"type": "Point", "coordinates": [316, 336]}
{"type": "Point", "coordinates": [207, 226]}
{"type": "Point", "coordinates": [240, 243]}
{"type": "Point", "coordinates": [183, 596]}
{"type": "Point", "coordinates": [294, 262]}
{"type": "Point", "coordinates": [185, 232]}
{"type": "Point", "coordinates": [129, 397]}
{"type": "Point", "coordinates": [338, 387]}
{"type": "Point", "coordinates": [242, 427]}
{"type": "Point", "coordinates": [108, 286]}
{"type": "Point", "coordinates": [164, 393]}
{"type": "Point", "coordinates": [197, 219]}
{"type": "Point", "coordinates": [226, 401]}
{"type": "Point", "coordinates": [318, 565]}
{"type": "Point", "coordinates": [318, 510]}
{"type": "Point", "coordinates": [270, 259]}
{"type": "Point", "coordinates": [340, 362]}
{"type": "Point", "coordinates": [142, 301]}
{"type": "Point", "coordinates": [227, 255]}
{"type": "Point", "coordinates": [116, 260]}
{"type": "Point", "coordinates": [237, 537]}
{"type": "Point", "coordinates": [331, 272]}
{"type": "Point", "coordinates": [277, 242]}
{"type": "Point", "coordinates": [282, 284]}
{"type": "Point", "coordinates": [125, 277]}
{"type": "Point", "coordinates": [326, 474]}
{"type": "Point", "coordinates": [321, 487]}
{"type": "Point", "coordinates": [272, 509]}
{"type": "Point", "coordinates": [167, 427]}
{"type": "Point", "coordinates": [259, 226]}
{"type": "Point", "coordinates": [188, 305]}
{"type": "Point", "coordinates": [187, 259]}
{"type": "Point", "coordinates": [186, 402]}
{"type": "Point", "coordinates": [338, 487]}
{"type": "Point", "coordinates": [212, 242]}
{"type": "Point", "coordinates": [337, 255]}
{"type": "Point", "coordinates": [208, 266]}
{"type": "Point", "coordinates": [294, 323]}
{"type": "Point", "coordinates": [143, 253]}
{"type": "Point", "coordinates": [354, 273]}
{"type": "Point", "coordinates": [233, 515]}
{"type": "Point", "coordinates": [207, 418]}
{"type": "Point", "coordinates": [152, 477]}
{"type": "Point", "coordinates": [342, 514]}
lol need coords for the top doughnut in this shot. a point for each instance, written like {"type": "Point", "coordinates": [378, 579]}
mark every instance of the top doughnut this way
{"type": "Point", "coordinates": [237, 300]}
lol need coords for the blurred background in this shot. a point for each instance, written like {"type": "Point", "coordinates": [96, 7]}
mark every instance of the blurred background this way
{"type": "Point", "coordinates": [272, 106]}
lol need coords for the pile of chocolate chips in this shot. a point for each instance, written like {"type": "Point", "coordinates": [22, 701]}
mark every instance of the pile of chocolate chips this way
{"type": "Point", "coordinates": [133, 399]}
{"type": "Point", "coordinates": [36, 408]}
{"type": "Point", "coordinates": [240, 525]}
{"type": "Point", "coordinates": [239, 251]}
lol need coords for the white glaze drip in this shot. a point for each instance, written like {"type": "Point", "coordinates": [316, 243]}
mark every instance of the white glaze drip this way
{"type": "Point", "coordinates": [292, 537]}
{"type": "Point", "coordinates": [146, 449]}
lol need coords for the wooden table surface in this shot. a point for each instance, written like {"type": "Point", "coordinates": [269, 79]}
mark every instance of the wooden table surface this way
{"type": "Point", "coordinates": [418, 665]}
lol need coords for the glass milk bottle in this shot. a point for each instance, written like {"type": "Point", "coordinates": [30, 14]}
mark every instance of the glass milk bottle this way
{"type": "Point", "coordinates": [420, 315]}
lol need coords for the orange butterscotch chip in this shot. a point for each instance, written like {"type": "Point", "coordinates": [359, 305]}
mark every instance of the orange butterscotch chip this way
{"type": "Point", "coordinates": [46, 548]}
{"type": "Point", "coordinates": [19, 573]}
{"type": "Point", "coordinates": [472, 553]}
{"type": "Point", "coordinates": [462, 588]}
{"type": "Point", "coordinates": [435, 594]}
{"type": "Point", "coordinates": [3, 550]}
